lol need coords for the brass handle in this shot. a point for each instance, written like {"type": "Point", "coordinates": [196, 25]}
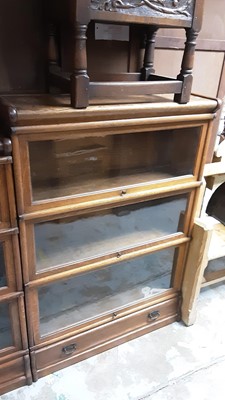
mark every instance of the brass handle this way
{"type": "Point", "coordinates": [154, 315]}
{"type": "Point", "coordinates": [68, 350]}
{"type": "Point", "coordinates": [123, 192]}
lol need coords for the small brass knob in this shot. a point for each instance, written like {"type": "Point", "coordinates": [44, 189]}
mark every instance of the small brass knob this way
{"type": "Point", "coordinates": [70, 349]}
{"type": "Point", "coordinates": [154, 315]}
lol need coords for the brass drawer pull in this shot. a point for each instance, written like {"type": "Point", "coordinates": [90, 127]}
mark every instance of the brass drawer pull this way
{"type": "Point", "coordinates": [123, 192]}
{"type": "Point", "coordinates": [154, 315]}
{"type": "Point", "coordinates": [68, 350]}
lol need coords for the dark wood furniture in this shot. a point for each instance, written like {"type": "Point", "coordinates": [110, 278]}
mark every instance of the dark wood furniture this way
{"type": "Point", "coordinates": [72, 18]}
{"type": "Point", "coordinates": [14, 355]}
{"type": "Point", "coordinates": [105, 199]}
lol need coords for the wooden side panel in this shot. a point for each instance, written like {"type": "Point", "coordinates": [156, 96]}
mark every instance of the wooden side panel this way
{"type": "Point", "coordinates": [194, 271]}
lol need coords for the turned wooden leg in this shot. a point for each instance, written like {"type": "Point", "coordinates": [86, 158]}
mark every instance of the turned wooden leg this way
{"type": "Point", "coordinates": [79, 77]}
{"type": "Point", "coordinates": [148, 64]}
{"type": "Point", "coordinates": [53, 51]}
{"type": "Point", "coordinates": [187, 67]}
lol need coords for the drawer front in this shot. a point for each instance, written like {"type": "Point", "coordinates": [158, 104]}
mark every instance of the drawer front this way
{"type": "Point", "coordinates": [99, 339]}
{"type": "Point", "coordinates": [14, 374]}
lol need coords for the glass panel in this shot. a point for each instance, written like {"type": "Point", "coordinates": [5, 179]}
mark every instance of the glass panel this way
{"type": "Point", "coordinates": [3, 281]}
{"type": "Point", "coordinates": [61, 168]}
{"type": "Point", "coordinates": [5, 327]}
{"type": "Point", "coordinates": [87, 296]}
{"type": "Point", "coordinates": [91, 235]}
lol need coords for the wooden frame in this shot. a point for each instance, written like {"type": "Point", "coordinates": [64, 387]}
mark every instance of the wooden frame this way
{"type": "Point", "coordinates": [33, 309]}
{"type": "Point", "coordinates": [15, 302]}
{"type": "Point", "coordinates": [12, 265]}
{"type": "Point", "coordinates": [208, 244]}
{"type": "Point", "coordinates": [28, 244]}
{"type": "Point", "coordinates": [27, 208]}
{"type": "Point", "coordinates": [206, 234]}
{"type": "Point", "coordinates": [14, 359]}
{"type": "Point", "coordinates": [7, 200]}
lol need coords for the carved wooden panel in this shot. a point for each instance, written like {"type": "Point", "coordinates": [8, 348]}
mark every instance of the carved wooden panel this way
{"type": "Point", "coordinates": [181, 9]}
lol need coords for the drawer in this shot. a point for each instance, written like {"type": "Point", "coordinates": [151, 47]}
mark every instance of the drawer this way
{"type": "Point", "coordinates": [94, 341]}
{"type": "Point", "coordinates": [14, 374]}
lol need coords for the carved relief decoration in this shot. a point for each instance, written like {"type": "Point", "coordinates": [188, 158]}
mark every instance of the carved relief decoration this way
{"type": "Point", "coordinates": [171, 7]}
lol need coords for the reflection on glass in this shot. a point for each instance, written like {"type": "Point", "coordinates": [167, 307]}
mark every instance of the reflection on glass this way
{"type": "Point", "coordinates": [61, 168]}
{"type": "Point", "coordinates": [2, 267]}
{"type": "Point", "coordinates": [91, 235]}
{"type": "Point", "coordinates": [5, 327]}
{"type": "Point", "coordinates": [87, 296]}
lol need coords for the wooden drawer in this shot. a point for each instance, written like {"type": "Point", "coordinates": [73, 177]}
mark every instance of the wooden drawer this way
{"type": "Point", "coordinates": [14, 373]}
{"type": "Point", "coordinates": [77, 348]}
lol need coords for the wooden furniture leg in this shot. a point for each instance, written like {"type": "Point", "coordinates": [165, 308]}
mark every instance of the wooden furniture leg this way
{"type": "Point", "coordinates": [196, 263]}
{"type": "Point", "coordinates": [79, 77]}
{"type": "Point", "coordinates": [148, 65]}
{"type": "Point", "coordinates": [187, 67]}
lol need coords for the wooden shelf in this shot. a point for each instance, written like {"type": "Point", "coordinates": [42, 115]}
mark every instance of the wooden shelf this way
{"type": "Point", "coordinates": [68, 188]}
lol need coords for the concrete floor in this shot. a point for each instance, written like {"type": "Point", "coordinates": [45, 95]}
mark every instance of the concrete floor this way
{"type": "Point", "coordinates": [173, 363]}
